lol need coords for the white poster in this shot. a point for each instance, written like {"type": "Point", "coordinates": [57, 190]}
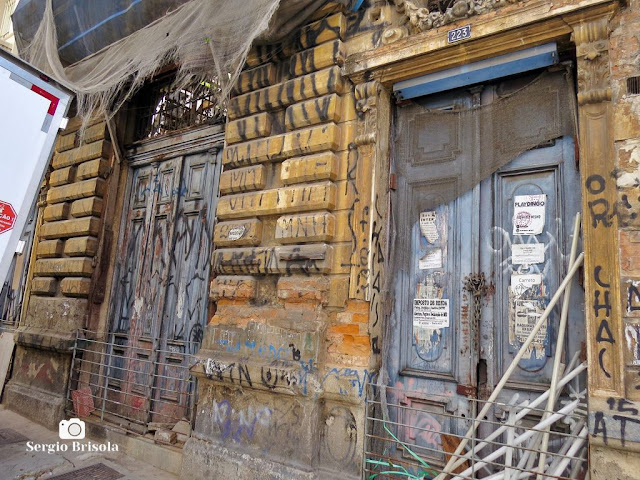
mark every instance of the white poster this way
{"type": "Point", "coordinates": [433, 259]}
{"type": "Point", "coordinates": [527, 253]}
{"type": "Point", "coordinates": [428, 226]}
{"type": "Point", "coordinates": [430, 312]}
{"type": "Point", "coordinates": [528, 214]}
{"type": "Point", "coordinates": [521, 283]}
{"type": "Point", "coordinates": [527, 313]}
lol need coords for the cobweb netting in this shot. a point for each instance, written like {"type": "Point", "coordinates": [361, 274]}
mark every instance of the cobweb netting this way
{"type": "Point", "coordinates": [205, 39]}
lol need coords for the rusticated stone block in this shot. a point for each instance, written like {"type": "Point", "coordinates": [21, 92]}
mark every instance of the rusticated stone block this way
{"type": "Point", "coordinates": [307, 259]}
{"type": "Point", "coordinates": [95, 132]}
{"type": "Point", "coordinates": [43, 286]}
{"type": "Point", "coordinates": [81, 246]}
{"type": "Point", "coordinates": [312, 112]}
{"type": "Point", "coordinates": [86, 188]}
{"type": "Point", "coordinates": [314, 59]}
{"type": "Point", "coordinates": [280, 147]}
{"type": "Point", "coordinates": [238, 233]}
{"type": "Point", "coordinates": [93, 168]}
{"type": "Point", "coordinates": [64, 267]}
{"type": "Point", "coordinates": [279, 96]}
{"type": "Point", "coordinates": [59, 315]}
{"type": "Point", "coordinates": [314, 227]}
{"type": "Point", "coordinates": [82, 154]}
{"type": "Point", "coordinates": [255, 79]}
{"type": "Point", "coordinates": [327, 28]}
{"type": "Point", "coordinates": [233, 287]}
{"type": "Point", "coordinates": [321, 166]}
{"type": "Point", "coordinates": [49, 248]}
{"type": "Point", "coordinates": [71, 228]}
{"type": "Point", "coordinates": [243, 179]}
{"type": "Point", "coordinates": [62, 176]}
{"type": "Point", "coordinates": [75, 287]}
{"type": "Point", "coordinates": [247, 128]}
{"type": "Point", "coordinates": [298, 198]}
{"type": "Point", "coordinates": [58, 211]}
{"type": "Point", "coordinates": [85, 207]}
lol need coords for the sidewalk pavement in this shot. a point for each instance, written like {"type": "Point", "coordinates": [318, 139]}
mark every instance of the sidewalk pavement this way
{"type": "Point", "coordinates": [18, 462]}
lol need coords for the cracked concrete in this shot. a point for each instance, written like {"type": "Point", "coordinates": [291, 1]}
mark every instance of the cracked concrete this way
{"type": "Point", "coordinates": [18, 463]}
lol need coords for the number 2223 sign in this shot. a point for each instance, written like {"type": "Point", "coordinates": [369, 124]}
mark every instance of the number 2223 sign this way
{"type": "Point", "coordinates": [460, 33]}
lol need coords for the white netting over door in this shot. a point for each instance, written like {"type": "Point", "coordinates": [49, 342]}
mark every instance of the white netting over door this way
{"type": "Point", "coordinates": [206, 39]}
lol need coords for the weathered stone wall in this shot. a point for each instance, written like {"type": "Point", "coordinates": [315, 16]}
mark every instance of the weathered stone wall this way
{"type": "Point", "coordinates": [615, 420]}
{"type": "Point", "coordinates": [62, 272]}
{"type": "Point", "coordinates": [287, 355]}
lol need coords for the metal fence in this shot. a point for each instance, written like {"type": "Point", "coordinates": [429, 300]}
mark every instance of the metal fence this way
{"type": "Point", "coordinates": [405, 440]}
{"type": "Point", "coordinates": [129, 385]}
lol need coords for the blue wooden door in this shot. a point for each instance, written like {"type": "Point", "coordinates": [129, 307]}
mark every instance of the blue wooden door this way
{"type": "Point", "coordinates": [471, 275]}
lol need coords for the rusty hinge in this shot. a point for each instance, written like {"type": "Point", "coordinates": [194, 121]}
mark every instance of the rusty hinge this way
{"type": "Point", "coordinates": [468, 390]}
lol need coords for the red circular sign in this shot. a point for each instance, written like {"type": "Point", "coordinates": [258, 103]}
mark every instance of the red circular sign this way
{"type": "Point", "coordinates": [7, 217]}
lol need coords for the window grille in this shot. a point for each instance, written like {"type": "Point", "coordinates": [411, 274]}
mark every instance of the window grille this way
{"type": "Point", "coordinates": [163, 109]}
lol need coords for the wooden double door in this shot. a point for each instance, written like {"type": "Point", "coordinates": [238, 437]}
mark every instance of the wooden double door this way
{"type": "Point", "coordinates": [161, 285]}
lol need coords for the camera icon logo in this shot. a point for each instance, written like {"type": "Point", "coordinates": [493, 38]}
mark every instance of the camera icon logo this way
{"type": "Point", "coordinates": [72, 429]}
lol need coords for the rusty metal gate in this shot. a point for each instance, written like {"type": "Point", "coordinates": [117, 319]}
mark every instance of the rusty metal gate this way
{"type": "Point", "coordinates": [161, 284]}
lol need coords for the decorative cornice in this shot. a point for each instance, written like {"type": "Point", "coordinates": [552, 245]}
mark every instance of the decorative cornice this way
{"type": "Point", "coordinates": [422, 19]}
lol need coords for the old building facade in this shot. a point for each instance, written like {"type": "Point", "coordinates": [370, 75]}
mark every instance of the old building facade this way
{"type": "Point", "coordinates": [257, 278]}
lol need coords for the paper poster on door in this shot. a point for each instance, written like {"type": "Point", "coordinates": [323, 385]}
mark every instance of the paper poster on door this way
{"type": "Point", "coordinates": [529, 214]}
{"type": "Point", "coordinates": [526, 314]}
{"type": "Point", "coordinates": [432, 259]}
{"type": "Point", "coordinates": [428, 226]}
{"type": "Point", "coordinates": [527, 253]}
{"type": "Point", "coordinates": [522, 283]}
{"type": "Point", "coordinates": [430, 312]}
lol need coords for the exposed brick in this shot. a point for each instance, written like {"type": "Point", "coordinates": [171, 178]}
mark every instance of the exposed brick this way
{"type": "Point", "coordinates": [81, 246]}
{"type": "Point", "coordinates": [359, 306]}
{"type": "Point", "coordinates": [63, 267]}
{"type": "Point", "coordinates": [75, 287]}
{"type": "Point", "coordinates": [280, 147]}
{"type": "Point", "coordinates": [43, 285]}
{"type": "Point", "coordinates": [243, 179]}
{"type": "Point", "coordinates": [298, 289]}
{"type": "Point", "coordinates": [58, 211]}
{"type": "Point", "coordinates": [93, 168]}
{"type": "Point", "coordinates": [86, 188]}
{"type": "Point", "coordinates": [345, 328]}
{"type": "Point", "coordinates": [49, 248]}
{"type": "Point", "coordinates": [71, 228]}
{"type": "Point", "coordinates": [62, 176]}
{"type": "Point", "coordinates": [85, 207]}
{"type": "Point", "coordinates": [82, 154]}
{"type": "Point", "coordinates": [299, 198]}
{"type": "Point", "coordinates": [630, 251]}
